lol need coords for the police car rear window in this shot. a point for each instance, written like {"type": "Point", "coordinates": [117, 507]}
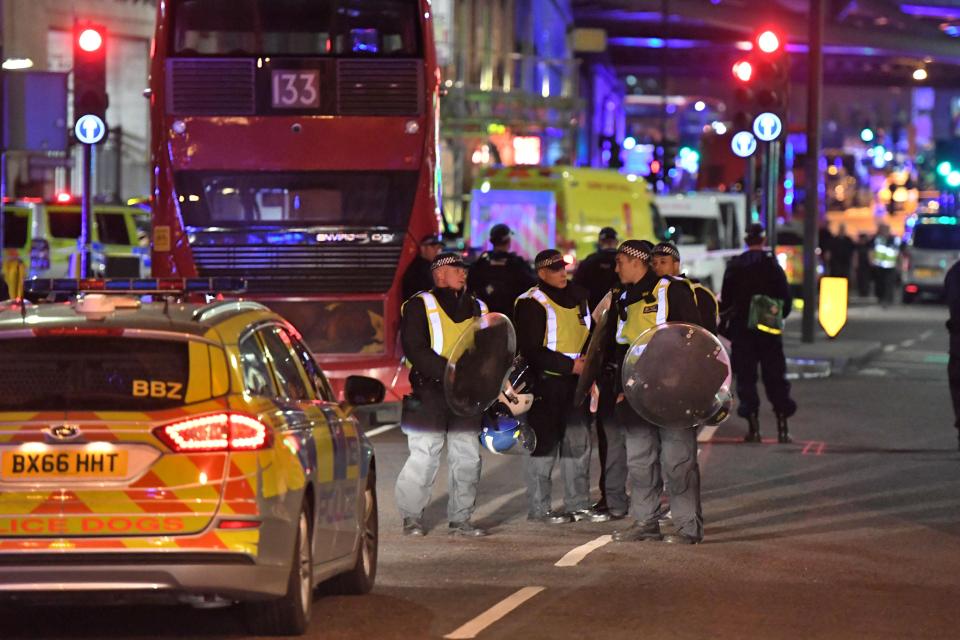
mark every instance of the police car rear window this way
{"type": "Point", "coordinates": [92, 374]}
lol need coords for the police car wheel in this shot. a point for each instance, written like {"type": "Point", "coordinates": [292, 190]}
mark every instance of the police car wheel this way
{"type": "Point", "coordinates": [360, 578]}
{"type": "Point", "coordinates": [289, 615]}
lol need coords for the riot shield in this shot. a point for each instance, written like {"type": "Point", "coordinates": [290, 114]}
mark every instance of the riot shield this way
{"type": "Point", "coordinates": [677, 375]}
{"type": "Point", "coordinates": [479, 364]}
{"type": "Point", "coordinates": [593, 358]}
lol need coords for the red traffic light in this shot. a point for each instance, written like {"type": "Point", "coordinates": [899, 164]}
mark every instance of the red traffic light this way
{"type": "Point", "coordinates": [768, 41]}
{"type": "Point", "coordinates": [743, 70]}
{"type": "Point", "coordinates": [90, 40]}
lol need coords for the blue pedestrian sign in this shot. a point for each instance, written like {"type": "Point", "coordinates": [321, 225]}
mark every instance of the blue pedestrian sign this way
{"type": "Point", "coordinates": [90, 129]}
{"type": "Point", "coordinates": [767, 126]}
{"type": "Point", "coordinates": [743, 144]}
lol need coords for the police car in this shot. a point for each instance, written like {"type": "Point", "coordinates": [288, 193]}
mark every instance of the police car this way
{"type": "Point", "coordinates": [190, 451]}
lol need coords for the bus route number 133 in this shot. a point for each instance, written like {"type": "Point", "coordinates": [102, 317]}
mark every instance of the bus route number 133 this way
{"type": "Point", "coordinates": [296, 89]}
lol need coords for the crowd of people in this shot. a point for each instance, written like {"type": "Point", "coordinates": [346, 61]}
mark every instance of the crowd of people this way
{"type": "Point", "coordinates": [639, 286]}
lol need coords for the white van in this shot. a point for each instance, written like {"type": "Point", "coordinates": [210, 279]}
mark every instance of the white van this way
{"type": "Point", "coordinates": [708, 229]}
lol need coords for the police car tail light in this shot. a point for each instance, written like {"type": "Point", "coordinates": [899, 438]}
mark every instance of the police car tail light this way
{"type": "Point", "coordinates": [216, 432]}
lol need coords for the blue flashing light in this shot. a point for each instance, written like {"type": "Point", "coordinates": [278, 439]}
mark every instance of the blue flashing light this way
{"type": "Point", "coordinates": [136, 286]}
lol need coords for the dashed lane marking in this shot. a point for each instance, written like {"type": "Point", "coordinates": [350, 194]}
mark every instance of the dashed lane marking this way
{"type": "Point", "coordinates": [493, 614]}
{"type": "Point", "coordinates": [573, 558]}
{"type": "Point", "coordinates": [906, 344]}
{"type": "Point", "coordinates": [383, 429]}
{"type": "Point", "coordinates": [889, 348]}
{"type": "Point", "coordinates": [926, 334]}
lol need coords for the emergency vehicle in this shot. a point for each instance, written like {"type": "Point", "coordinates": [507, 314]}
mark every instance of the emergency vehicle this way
{"type": "Point", "coordinates": [562, 208]}
{"type": "Point", "coordinates": [166, 449]}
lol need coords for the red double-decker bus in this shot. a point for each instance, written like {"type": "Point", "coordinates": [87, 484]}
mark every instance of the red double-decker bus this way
{"type": "Point", "coordinates": [294, 144]}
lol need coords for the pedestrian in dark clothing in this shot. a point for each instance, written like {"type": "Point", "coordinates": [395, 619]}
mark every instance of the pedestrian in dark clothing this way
{"type": "Point", "coordinates": [499, 276]}
{"type": "Point", "coordinates": [883, 256]}
{"type": "Point", "coordinates": [757, 273]}
{"type": "Point", "coordinates": [841, 254]}
{"type": "Point", "coordinates": [864, 269]}
{"type": "Point", "coordinates": [417, 277]}
{"type": "Point", "coordinates": [4, 289]}
{"type": "Point", "coordinates": [597, 273]}
{"type": "Point", "coordinates": [951, 285]}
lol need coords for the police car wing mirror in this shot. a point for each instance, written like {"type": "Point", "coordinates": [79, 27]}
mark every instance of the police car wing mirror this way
{"type": "Point", "coordinates": [361, 390]}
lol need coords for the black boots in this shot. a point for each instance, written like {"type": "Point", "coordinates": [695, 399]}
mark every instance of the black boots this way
{"type": "Point", "coordinates": [753, 428]}
{"type": "Point", "coordinates": [783, 433]}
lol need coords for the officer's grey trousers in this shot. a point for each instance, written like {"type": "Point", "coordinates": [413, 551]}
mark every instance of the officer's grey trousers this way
{"type": "Point", "coordinates": [574, 453]}
{"type": "Point", "coordinates": [428, 422]}
{"type": "Point", "coordinates": [654, 454]}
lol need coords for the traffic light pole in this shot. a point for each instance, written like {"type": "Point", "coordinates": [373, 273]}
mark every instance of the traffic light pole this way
{"type": "Point", "coordinates": [86, 211]}
{"type": "Point", "coordinates": [812, 213]}
{"type": "Point", "coordinates": [772, 191]}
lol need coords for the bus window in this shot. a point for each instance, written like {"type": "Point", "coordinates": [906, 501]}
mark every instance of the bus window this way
{"type": "Point", "coordinates": [64, 224]}
{"type": "Point", "coordinates": [296, 28]}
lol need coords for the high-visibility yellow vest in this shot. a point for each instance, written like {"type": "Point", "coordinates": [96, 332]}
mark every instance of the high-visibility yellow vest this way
{"type": "Point", "coordinates": [646, 313]}
{"type": "Point", "coordinates": [567, 329]}
{"type": "Point", "coordinates": [444, 332]}
{"type": "Point", "coordinates": [14, 272]}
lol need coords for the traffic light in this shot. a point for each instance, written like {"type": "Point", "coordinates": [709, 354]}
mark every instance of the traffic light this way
{"type": "Point", "coordinates": [89, 70]}
{"type": "Point", "coordinates": [762, 81]}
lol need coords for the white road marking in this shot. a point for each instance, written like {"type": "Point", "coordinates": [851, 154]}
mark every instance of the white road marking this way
{"type": "Point", "coordinates": [576, 555]}
{"type": "Point", "coordinates": [706, 434]}
{"type": "Point", "coordinates": [383, 429]}
{"type": "Point", "coordinates": [873, 371]}
{"type": "Point", "coordinates": [925, 335]}
{"type": "Point", "coordinates": [906, 344]}
{"type": "Point", "coordinates": [889, 348]}
{"type": "Point", "coordinates": [494, 613]}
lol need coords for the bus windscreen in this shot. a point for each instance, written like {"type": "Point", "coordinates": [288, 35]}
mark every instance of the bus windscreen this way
{"type": "Point", "coordinates": [305, 28]}
{"type": "Point", "coordinates": [297, 199]}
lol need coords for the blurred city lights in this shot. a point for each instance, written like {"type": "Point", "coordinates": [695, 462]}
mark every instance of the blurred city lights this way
{"type": "Point", "coordinates": [743, 70]}
{"type": "Point", "coordinates": [944, 169]}
{"type": "Point", "coordinates": [700, 105]}
{"type": "Point", "coordinates": [90, 40]}
{"type": "Point", "coordinates": [920, 74]}
{"type": "Point", "coordinates": [953, 179]}
{"type": "Point", "coordinates": [866, 134]}
{"type": "Point", "coordinates": [629, 143]}
{"type": "Point", "coordinates": [768, 41]}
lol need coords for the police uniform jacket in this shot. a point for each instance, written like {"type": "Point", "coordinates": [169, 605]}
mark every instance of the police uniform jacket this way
{"type": "Point", "coordinates": [420, 340]}
{"type": "Point", "coordinates": [597, 274]}
{"type": "Point", "coordinates": [706, 303]}
{"type": "Point", "coordinates": [658, 301]}
{"type": "Point", "coordinates": [751, 273]}
{"type": "Point", "coordinates": [498, 277]}
{"type": "Point", "coordinates": [417, 277]}
{"type": "Point", "coordinates": [547, 339]}
{"type": "Point", "coordinates": [951, 287]}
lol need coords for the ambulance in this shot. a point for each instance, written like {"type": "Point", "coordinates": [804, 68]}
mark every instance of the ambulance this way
{"type": "Point", "coordinates": [562, 207]}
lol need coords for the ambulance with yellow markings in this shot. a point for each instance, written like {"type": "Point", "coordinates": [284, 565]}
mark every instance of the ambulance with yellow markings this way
{"type": "Point", "coordinates": [192, 452]}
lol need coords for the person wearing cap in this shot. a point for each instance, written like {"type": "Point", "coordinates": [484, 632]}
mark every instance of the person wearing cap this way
{"type": "Point", "coordinates": [430, 325]}
{"type": "Point", "coordinates": [646, 302]}
{"type": "Point", "coordinates": [666, 262]}
{"type": "Point", "coordinates": [499, 276]}
{"type": "Point", "coordinates": [597, 272]}
{"type": "Point", "coordinates": [418, 277]}
{"type": "Point", "coordinates": [754, 273]}
{"type": "Point", "coordinates": [553, 323]}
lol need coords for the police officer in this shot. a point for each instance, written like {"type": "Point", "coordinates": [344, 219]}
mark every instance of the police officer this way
{"type": "Point", "coordinates": [499, 276]}
{"type": "Point", "coordinates": [597, 273]}
{"type": "Point", "coordinates": [418, 276]}
{"type": "Point", "coordinates": [666, 262]}
{"type": "Point", "coordinates": [430, 325]}
{"type": "Point", "coordinates": [756, 272]}
{"type": "Point", "coordinates": [648, 301]}
{"type": "Point", "coordinates": [553, 323]}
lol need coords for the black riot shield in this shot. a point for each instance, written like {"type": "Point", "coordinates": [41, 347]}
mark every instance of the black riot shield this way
{"type": "Point", "coordinates": [677, 375]}
{"type": "Point", "coordinates": [479, 364]}
{"type": "Point", "coordinates": [593, 358]}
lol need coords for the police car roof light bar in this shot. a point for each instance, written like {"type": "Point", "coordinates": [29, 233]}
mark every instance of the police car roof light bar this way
{"type": "Point", "coordinates": [135, 286]}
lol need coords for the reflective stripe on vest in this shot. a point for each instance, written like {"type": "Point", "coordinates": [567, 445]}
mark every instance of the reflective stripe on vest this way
{"type": "Point", "coordinates": [442, 342]}
{"type": "Point", "coordinates": [552, 339]}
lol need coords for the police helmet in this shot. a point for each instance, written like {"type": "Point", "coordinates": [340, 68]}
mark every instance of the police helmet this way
{"type": "Point", "coordinates": [516, 397]}
{"type": "Point", "coordinates": [506, 435]}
